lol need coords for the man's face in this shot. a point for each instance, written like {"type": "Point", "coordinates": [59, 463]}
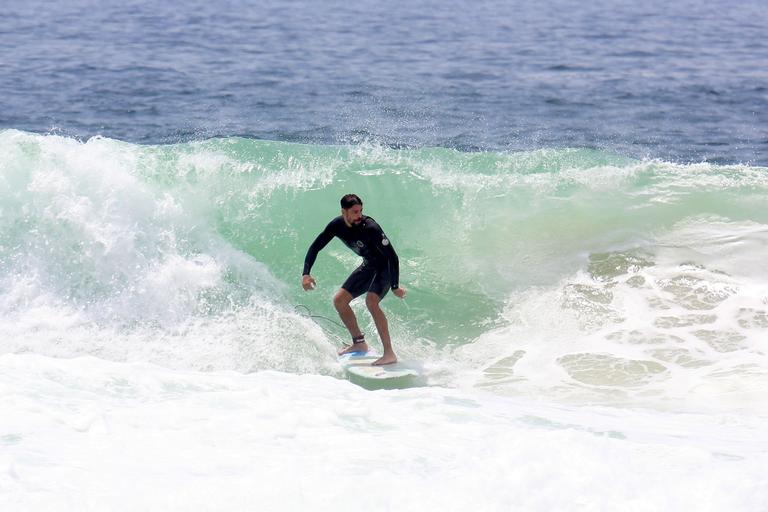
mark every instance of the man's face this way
{"type": "Point", "coordinates": [353, 216]}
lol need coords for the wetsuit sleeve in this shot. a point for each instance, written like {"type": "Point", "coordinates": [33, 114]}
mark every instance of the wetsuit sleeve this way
{"type": "Point", "coordinates": [320, 242]}
{"type": "Point", "coordinates": [394, 265]}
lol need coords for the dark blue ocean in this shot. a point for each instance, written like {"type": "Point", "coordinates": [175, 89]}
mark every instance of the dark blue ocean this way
{"type": "Point", "coordinates": [683, 81]}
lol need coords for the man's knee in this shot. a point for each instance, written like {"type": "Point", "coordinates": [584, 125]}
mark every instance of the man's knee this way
{"type": "Point", "coordinates": [341, 300]}
{"type": "Point", "coordinates": [372, 301]}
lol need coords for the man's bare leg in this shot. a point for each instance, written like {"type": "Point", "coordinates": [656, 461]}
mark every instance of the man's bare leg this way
{"type": "Point", "coordinates": [341, 302]}
{"type": "Point", "coordinates": [372, 301]}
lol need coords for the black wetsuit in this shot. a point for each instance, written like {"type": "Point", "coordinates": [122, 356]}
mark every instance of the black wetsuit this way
{"type": "Point", "coordinates": [380, 269]}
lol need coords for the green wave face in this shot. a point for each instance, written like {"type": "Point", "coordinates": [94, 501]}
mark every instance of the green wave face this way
{"type": "Point", "coordinates": [469, 228]}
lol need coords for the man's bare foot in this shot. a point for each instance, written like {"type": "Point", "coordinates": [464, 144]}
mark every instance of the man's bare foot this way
{"type": "Point", "coordinates": [355, 347]}
{"type": "Point", "coordinates": [387, 358]}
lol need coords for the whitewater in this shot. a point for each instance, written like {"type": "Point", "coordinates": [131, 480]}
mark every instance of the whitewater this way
{"type": "Point", "coordinates": [591, 326]}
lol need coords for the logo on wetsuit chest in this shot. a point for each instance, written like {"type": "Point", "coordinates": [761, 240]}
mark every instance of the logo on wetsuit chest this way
{"type": "Point", "coordinates": [360, 244]}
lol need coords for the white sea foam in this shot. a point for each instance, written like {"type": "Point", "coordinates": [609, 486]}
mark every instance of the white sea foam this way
{"type": "Point", "coordinates": [678, 323]}
{"type": "Point", "coordinates": [86, 434]}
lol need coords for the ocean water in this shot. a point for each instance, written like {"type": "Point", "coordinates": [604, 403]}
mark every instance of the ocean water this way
{"type": "Point", "coordinates": [576, 193]}
{"type": "Point", "coordinates": [683, 80]}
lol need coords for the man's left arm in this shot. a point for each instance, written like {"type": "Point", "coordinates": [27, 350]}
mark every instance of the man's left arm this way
{"type": "Point", "coordinates": [393, 262]}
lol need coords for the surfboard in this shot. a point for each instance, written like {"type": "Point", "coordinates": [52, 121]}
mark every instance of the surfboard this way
{"type": "Point", "coordinates": [358, 369]}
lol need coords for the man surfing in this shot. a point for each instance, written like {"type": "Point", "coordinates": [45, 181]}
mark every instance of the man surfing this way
{"type": "Point", "coordinates": [379, 272]}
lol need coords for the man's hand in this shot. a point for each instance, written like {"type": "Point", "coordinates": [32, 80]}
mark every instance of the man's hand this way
{"type": "Point", "coordinates": [399, 292]}
{"type": "Point", "coordinates": [308, 282]}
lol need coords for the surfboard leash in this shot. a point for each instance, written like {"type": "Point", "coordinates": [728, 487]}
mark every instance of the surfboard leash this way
{"type": "Point", "coordinates": [314, 317]}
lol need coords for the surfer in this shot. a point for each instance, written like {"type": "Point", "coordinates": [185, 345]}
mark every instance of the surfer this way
{"type": "Point", "coordinates": [379, 272]}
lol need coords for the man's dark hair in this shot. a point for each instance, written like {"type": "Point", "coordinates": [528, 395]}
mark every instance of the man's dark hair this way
{"type": "Point", "coordinates": [350, 200]}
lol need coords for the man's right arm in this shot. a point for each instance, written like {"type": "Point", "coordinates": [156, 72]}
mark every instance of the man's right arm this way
{"type": "Point", "coordinates": [320, 242]}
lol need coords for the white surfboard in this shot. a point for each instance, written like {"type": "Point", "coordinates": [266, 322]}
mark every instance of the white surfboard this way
{"type": "Point", "coordinates": [359, 370]}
